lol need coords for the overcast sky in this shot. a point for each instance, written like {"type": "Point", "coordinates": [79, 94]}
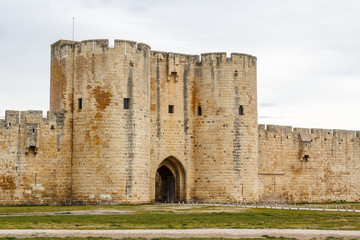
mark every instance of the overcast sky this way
{"type": "Point", "coordinates": [308, 51]}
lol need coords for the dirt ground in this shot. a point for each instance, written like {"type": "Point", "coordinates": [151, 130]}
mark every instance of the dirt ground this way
{"type": "Point", "coordinates": [188, 233]}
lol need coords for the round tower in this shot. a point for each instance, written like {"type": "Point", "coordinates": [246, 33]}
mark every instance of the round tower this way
{"type": "Point", "coordinates": [108, 98]}
{"type": "Point", "coordinates": [226, 131]}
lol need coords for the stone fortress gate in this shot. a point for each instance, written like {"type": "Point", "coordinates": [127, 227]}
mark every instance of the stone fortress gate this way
{"type": "Point", "coordinates": [131, 125]}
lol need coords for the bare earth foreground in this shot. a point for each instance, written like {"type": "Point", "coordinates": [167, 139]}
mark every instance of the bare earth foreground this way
{"type": "Point", "coordinates": [183, 233]}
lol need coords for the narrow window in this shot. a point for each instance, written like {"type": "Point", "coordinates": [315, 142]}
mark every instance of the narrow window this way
{"type": "Point", "coordinates": [126, 103]}
{"type": "Point", "coordinates": [32, 149]}
{"type": "Point", "coordinates": [80, 103]}
{"type": "Point", "coordinates": [241, 110]}
{"type": "Point", "coordinates": [33, 130]}
{"type": "Point", "coordinates": [199, 111]}
{"type": "Point", "coordinates": [171, 108]}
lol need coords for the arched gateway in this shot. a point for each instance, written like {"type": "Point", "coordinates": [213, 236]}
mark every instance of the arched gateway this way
{"type": "Point", "coordinates": [170, 181]}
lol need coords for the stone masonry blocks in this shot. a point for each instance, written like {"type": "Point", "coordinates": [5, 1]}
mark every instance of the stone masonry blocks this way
{"type": "Point", "coordinates": [121, 115]}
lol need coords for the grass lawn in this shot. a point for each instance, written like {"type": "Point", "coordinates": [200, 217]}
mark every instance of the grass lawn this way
{"type": "Point", "coordinates": [155, 208]}
{"type": "Point", "coordinates": [173, 217]}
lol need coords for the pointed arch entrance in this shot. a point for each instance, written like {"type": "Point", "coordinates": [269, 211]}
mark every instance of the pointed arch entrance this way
{"type": "Point", "coordinates": [170, 181]}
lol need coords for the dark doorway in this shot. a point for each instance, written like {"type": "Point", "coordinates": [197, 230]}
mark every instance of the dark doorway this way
{"type": "Point", "coordinates": [164, 185]}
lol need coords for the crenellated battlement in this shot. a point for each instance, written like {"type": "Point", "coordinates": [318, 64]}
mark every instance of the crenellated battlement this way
{"type": "Point", "coordinates": [131, 125]}
{"type": "Point", "coordinates": [163, 56]}
{"type": "Point", "coordinates": [31, 126]}
{"type": "Point", "coordinates": [235, 58]}
{"type": "Point", "coordinates": [174, 60]}
{"type": "Point", "coordinates": [16, 118]}
{"type": "Point", "coordinates": [315, 132]}
{"type": "Point", "coordinates": [126, 47]}
{"type": "Point", "coordinates": [101, 46]}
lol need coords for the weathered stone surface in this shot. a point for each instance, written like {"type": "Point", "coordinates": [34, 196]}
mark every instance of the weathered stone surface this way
{"type": "Point", "coordinates": [309, 165]}
{"type": "Point", "coordinates": [126, 122]}
{"type": "Point", "coordinates": [34, 159]}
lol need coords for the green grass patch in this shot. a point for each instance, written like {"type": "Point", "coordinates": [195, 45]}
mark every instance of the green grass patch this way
{"type": "Point", "coordinates": [153, 208]}
{"type": "Point", "coordinates": [340, 204]}
{"type": "Point", "coordinates": [140, 209]}
{"type": "Point", "coordinates": [247, 218]}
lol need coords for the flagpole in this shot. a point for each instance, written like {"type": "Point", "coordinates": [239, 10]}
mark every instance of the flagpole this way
{"type": "Point", "coordinates": [73, 32]}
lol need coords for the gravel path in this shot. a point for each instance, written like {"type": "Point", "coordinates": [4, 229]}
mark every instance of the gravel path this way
{"type": "Point", "coordinates": [175, 233]}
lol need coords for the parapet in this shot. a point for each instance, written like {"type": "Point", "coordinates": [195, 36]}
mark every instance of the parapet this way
{"type": "Point", "coordinates": [218, 58]}
{"type": "Point", "coordinates": [15, 118]}
{"type": "Point", "coordinates": [314, 132]}
{"type": "Point", "coordinates": [278, 129]}
{"type": "Point", "coordinates": [31, 122]}
{"type": "Point", "coordinates": [214, 58]}
{"type": "Point", "coordinates": [174, 57]}
{"type": "Point", "coordinates": [31, 116]}
{"type": "Point", "coordinates": [344, 133]}
{"type": "Point", "coordinates": [126, 47]}
{"type": "Point", "coordinates": [12, 118]}
{"type": "Point", "coordinates": [62, 43]}
{"type": "Point", "coordinates": [261, 127]}
{"type": "Point", "coordinates": [322, 131]}
{"type": "Point", "coordinates": [101, 46]}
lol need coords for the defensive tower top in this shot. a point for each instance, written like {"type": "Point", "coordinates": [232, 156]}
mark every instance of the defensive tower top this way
{"type": "Point", "coordinates": [124, 47]}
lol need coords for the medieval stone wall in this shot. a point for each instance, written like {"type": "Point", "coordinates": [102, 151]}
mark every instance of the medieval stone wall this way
{"type": "Point", "coordinates": [308, 165]}
{"type": "Point", "coordinates": [34, 159]}
{"type": "Point", "coordinates": [120, 113]}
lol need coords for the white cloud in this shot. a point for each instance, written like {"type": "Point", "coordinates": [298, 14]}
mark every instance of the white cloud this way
{"type": "Point", "coordinates": [308, 51]}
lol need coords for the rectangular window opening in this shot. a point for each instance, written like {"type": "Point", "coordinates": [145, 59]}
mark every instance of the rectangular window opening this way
{"type": "Point", "coordinates": [241, 110]}
{"type": "Point", "coordinates": [173, 76]}
{"type": "Point", "coordinates": [80, 103]}
{"type": "Point", "coordinates": [32, 149]}
{"type": "Point", "coordinates": [126, 103]}
{"type": "Point", "coordinates": [171, 108]}
{"type": "Point", "coordinates": [199, 111]}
